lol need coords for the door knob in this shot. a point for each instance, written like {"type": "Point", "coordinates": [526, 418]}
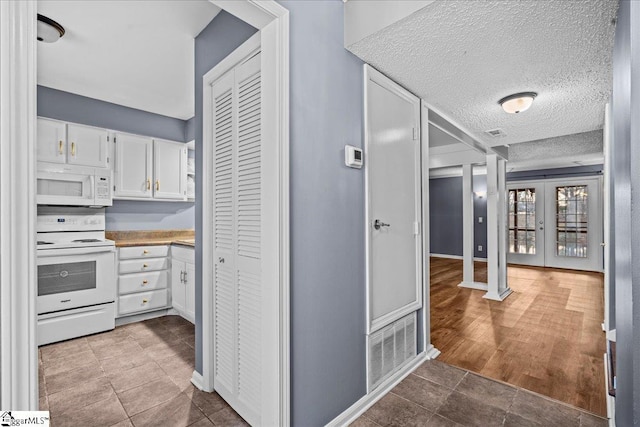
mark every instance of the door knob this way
{"type": "Point", "coordinates": [377, 224]}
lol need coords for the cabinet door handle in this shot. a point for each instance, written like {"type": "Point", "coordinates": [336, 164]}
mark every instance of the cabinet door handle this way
{"type": "Point", "coordinates": [73, 148]}
{"type": "Point", "coordinates": [60, 144]}
{"type": "Point", "coordinates": [157, 185]}
{"type": "Point", "coordinates": [181, 276]}
{"type": "Point", "coordinates": [185, 277]}
{"type": "Point", "coordinates": [148, 184]}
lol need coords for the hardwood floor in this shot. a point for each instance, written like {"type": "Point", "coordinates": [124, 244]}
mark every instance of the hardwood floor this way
{"type": "Point", "coordinates": [546, 337]}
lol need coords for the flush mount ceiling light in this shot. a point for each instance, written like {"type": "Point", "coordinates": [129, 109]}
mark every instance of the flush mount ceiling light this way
{"type": "Point", "coordinates": [49, 31]}
{"type": "Point", "coordinates": [518, 102]}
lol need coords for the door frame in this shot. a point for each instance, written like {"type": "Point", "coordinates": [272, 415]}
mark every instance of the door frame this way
{"type": "Point", "coordinates": [372, 75]}
{"type": "Point", "coordinates": [19, 355]}
{"type": "Point", "coordinates": [272, 21]}
{"type": "Point", "coordinates": [519, 259]}
{"type": "Point", "coordinates": [599, 227]}
{"type": "Point", "coordinates": [19, 374]}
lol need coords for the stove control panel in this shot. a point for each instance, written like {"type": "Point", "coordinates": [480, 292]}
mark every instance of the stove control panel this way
{"type": "Point", "coordinates": [69, 218]}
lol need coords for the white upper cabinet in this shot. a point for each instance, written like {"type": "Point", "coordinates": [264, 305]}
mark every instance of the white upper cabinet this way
{"type": "Point", "coordinates": [149, 169]}
{"type": "Point", "coordinates": [170, 170]}
{"type": "Point", "coordinates": [133, 167]}
{"type": "Point", "coordinates": [52, 141]}
{"type": "Point", "coordinates": [87, 146]}
{"type": "Point", "coordinates": [60, 142]}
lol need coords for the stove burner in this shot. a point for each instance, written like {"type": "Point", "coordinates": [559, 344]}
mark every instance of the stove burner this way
{"type": "Point", "coordinates": [86, 241]}
{"type": "Point", "coordinates": [40, 242]}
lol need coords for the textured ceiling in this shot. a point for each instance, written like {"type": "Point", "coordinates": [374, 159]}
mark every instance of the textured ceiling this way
{"type": "Point", "coordinates": [461, 57]}
{"type": "Point", "coordinates": [575, 146]}
{"type": "Point", "coordinates": [134, 53]}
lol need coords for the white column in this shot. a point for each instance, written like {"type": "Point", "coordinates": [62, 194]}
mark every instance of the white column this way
{"type": "Point", "coordinates": [496, 229]}
{"type": "Point", "coordinates": [468, 224]}
{"type": "Point", "coordinates": [18, 357]}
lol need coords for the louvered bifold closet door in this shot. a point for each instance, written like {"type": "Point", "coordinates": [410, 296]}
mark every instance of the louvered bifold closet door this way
{"type": "Point", "coordinates": [238, 217]}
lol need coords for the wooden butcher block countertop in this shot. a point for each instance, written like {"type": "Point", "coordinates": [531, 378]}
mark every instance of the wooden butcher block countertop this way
{"type": "Point", "coordinates": [152, 237]}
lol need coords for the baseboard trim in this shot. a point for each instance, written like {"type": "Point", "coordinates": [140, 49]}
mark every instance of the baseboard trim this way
{"type": "Point", "coordinates": [498, 297]}
{"type": "Point", "coordinates": [611, 401]}
{"type": "Point", "coordinates": [124, 320]}
{"type": "Point", "coordinates": [198, 381]}
{"type": "Point", "coordinates": [432, 352]}
{"type": "Point", "coordinates": [367, 401]}
{"type": "Point", "coordinates": [478, 259]}
{"type": "Point", "coordinates": [474, 285]}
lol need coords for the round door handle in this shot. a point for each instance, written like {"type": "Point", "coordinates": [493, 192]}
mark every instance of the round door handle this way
{"type": "Point", "coordinates": [221, 260]}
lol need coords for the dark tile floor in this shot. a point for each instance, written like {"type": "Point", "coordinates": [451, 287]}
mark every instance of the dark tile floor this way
{"type": "Point", "coordinates": [437, 394]}
{"type": "Point", "coordinates": [136, 375]}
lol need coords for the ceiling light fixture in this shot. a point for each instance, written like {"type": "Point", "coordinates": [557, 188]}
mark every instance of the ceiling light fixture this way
{"type": "Point", "coordinates": [518, 102]}
{"type": "Point", "coordinates": [49, 31]}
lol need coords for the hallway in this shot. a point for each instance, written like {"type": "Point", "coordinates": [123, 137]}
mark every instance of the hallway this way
{"type": "Point", "coordinates": [546, 337]}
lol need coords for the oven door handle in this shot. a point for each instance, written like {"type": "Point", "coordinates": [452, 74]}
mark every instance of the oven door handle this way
{"type": "Point", "coordinates": [75, 251]}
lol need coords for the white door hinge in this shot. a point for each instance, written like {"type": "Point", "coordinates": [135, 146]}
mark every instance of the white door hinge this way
{"type": "Point", "coordinates": [416, 228]}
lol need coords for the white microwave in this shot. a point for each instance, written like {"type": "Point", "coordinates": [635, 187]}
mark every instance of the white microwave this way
{"type": "Point", "coordinates": [70, 185]}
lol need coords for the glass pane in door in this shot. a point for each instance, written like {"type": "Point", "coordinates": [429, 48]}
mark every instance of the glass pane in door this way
{"type": "Point", "coordinates": [572, 220]}
{"type": "Point", "coordinates": [522, 221]}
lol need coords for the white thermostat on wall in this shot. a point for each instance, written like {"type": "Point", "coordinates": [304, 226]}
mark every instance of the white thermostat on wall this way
{"type": "Point", "coordinates": [353, 156]}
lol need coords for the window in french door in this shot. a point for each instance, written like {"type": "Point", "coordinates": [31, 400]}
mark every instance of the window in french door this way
{"type": "Point", "coordinates": [522, 221]}
{"type": "Point", "coordinates": [572, 221]}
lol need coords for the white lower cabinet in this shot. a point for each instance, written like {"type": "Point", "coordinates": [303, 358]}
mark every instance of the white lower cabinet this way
{"type": "Point", "coordinates": [143, 279]}
{"type": "Point", "coordinates": [183, 277]}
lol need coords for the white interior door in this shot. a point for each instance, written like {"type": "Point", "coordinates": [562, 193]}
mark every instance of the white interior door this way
{"type": "Point", "coordinates": [392, 162]}
{"type": "Point", "coordinates": [574, 224]}
{"type": "Point", "coordinates": [526, 223]}
{"type": "Point", "coordinates": [238, 305]}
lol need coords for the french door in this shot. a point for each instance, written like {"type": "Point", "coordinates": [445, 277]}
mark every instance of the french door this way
{"type": "Point", "coordinates": [556, 223]}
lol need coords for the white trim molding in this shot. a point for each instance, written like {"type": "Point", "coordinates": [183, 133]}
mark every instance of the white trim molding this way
{"type": "Point", "coordinates": [272, 21]}
{"type": "Point", "coordinates": [18, 358]}
{"type": "Point", "coordinates": [368, 400]}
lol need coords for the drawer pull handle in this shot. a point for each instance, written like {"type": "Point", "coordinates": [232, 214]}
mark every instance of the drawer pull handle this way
{"type": "Point", "coordinates": [144, 282]}
{"type": "Point", "coordinates": [144, 266]}
{"type": "Point", "coordinates": [144, 301]}
{"type": "Point", "coordinates": [145, 251]}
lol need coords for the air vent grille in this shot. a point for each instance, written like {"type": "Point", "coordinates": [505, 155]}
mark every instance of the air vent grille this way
{"type": "Point", "coordinates": [390, 348]}
{"type": "Point", "coordinates": [495, 133]}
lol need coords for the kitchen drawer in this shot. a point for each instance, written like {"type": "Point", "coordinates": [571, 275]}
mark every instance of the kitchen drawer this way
{"type": "Point", "coordinates": [144, 252]}
{"type": "Point", "coordinates": [142, 301]}
{"type": "Point", "coordinates": [140, 282]}
{"type": "Point", "coordinates": [141, 265]}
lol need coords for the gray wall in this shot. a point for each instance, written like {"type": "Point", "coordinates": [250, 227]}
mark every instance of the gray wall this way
{"type": "Point", "coordinates": [56, 104]}
{"type": "Point", "coordinates": [124, 214]}
{"type": "Point", "coordinates": [626, 163]}
{"type": "Point", "coordinates": [327, 210]}
{"type": "Point", "coordinates": [445, 220]}
{"type": "Point", "coordinates": [445, 195]}
{"type": "Point", "coordinates": [221, 37]}
{"type": "Point", "coordinates": [150, 215]}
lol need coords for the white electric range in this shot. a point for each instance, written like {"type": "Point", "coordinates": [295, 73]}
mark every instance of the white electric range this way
{"type": "Point", "coordinates": [76, 273]}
